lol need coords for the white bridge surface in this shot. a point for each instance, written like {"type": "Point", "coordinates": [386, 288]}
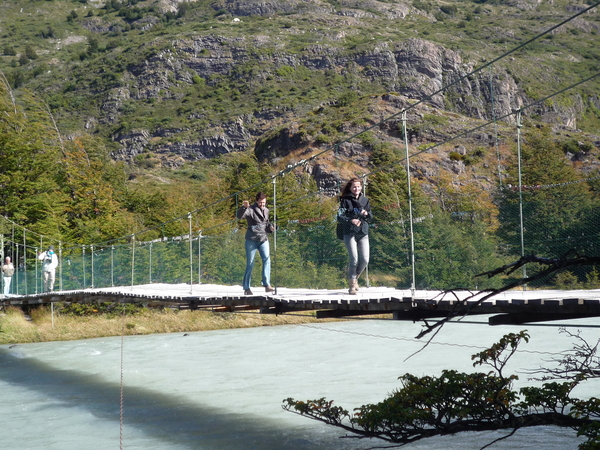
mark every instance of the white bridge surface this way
{"type": "Point", "coordinates": [514, 306]}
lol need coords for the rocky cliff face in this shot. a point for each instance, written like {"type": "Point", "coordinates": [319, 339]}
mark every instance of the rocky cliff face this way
{"type": "Point", "coordinates": [416, 69]}
{"type": "Point", "coordinates": [410, 69]}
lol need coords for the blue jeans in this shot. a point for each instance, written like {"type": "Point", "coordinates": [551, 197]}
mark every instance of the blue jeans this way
{"type": "Point", "coordinates": [358, 254]}
{"type": "Point", "coordinates": [263, 249]}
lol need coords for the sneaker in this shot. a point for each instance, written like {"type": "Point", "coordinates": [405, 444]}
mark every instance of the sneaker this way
{"type": "Point", "coordinates": [248, 292]}
{"type": "Point", "coordinates": [269, 289]}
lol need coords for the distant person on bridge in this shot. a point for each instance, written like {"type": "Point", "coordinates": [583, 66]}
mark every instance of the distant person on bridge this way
{"type": "Point", "coordinates": [8, 271]}
{"type": "Point", "coordinates": [49, 265]}
{"type": "Point", "coordinates": [354, 215]}
{"type": "Point", "coordinates": [257, 217]}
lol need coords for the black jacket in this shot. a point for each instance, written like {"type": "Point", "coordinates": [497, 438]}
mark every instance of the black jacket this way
{"type": "Point", "coordinates": [350, 208]}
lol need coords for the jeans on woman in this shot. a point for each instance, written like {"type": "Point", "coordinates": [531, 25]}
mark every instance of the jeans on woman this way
{"type": "Point", "coordinates": [263, 250]}
{"type": "Point", "coordinates": [358, 254]}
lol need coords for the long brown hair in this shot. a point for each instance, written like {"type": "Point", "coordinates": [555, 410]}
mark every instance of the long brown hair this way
{"type": "Point", "coordinates": [346, 191]}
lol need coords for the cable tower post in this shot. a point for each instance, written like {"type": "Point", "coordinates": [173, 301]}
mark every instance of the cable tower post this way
{"type": "Point", "coordinates": [24, 263]}
{"type": "Point", "coordinates": [191, 253]}
{"type": "Point", "coordinates": [92, 252]}
{"type": "Point", "coordinates": [16, 249]}
{"type": "Point", "coordinates": [150, 263]}
{"type": "Point", "coordinates": [274, 181]}
{"type": "Point", "coordinates": [410, 211]}
{"type": "Point", "coordinates": [83, 264]}
{"type": "Point", "coordinates": [36, 250]}
{"type": "Point", "coordinates": [199, 257]}
{"type": "Point", "coordinates": [132, 260]}
{"type": "Point", "coordinates": [112, 266]}
{"type": "Point", "coordinates": [365, 184]}
{"type": "Point", "coordinates": [60, 272]}
{"type": "Point", "coordinates": [519, 168]}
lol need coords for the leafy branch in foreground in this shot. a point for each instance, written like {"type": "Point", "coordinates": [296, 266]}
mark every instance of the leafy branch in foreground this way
{"type": "Point", "coordinates": [454, 402]}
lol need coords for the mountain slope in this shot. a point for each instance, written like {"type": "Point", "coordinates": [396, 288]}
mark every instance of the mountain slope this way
{"type": "Point", "coordinates": [165, 82]}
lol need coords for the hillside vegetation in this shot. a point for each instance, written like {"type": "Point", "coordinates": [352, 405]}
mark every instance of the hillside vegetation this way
{"type": "Point", "coordinates": [168, 82]}
{"type": "Point", "coordinates": [119, 116]}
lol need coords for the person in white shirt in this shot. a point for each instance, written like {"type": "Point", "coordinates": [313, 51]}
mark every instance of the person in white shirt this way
{"type": "Point", "coordinates": [49, 265]}
{"type": "Point", "coordinates": [8, 270]}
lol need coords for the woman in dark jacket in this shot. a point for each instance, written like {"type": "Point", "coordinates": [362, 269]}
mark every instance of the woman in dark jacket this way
{"type": "Point", "coordinates": [257, 217]}
{"type": "Point", "coordinates": [354, 215]}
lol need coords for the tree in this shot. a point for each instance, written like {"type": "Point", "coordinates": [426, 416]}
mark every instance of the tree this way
{"type": "Point", "coordinates": [453, 402]}
{"type": "Point", "coordinates": [92, 182]}
{"type": "Point", "coordinates": [555, 203]}
{"type": "Point", "coordinates": [451, 250]}
{"type": "Point", "coordinates": [23, 59]}
{"type": "Point", "coordinates": [388, 193]}
{"type": "Point", "coordinates": [56, 188]}
{"type": "Point", "coordinates": [30, 52]}
{"type": "Point", "coordinates": [29, 158]}
{"type": "Point", "coordinates": [9, 50]}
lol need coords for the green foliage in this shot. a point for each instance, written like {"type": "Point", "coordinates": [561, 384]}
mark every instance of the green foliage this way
{"type": "Point", "coordinates": [198, 80]}
{"type": "Point", "coordinates": [427, 406]}
{"type": "Point", "coordinates": [553, 200]}
{"type": "Point", "coordinates": [88, 197]}
{"type": "Point", "coordinates": [30, 52]}
{"type": "Point", "coordinates": [450, 253]}
{"type": "Point", "coordinates": [455, 156]}
{"type": "Point", "coordinates": [567, 281]}
{"type": "Point", "coordinates": [9, 50]}
{"type": "Point", "coordinates": [110, 309]}
{"type": "Point", "coordinates": [347, 98]}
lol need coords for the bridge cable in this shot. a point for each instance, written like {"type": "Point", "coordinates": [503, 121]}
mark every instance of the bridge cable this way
{"type": "Point", "coordinates": [121, 382]}
{"type": "Point", "coordinates": [422, 342]}
{"type": "Point", "coordinates": [443, 88]}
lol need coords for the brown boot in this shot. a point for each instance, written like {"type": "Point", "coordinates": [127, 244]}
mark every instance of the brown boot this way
{"type": "Point", "coordinates": [355, 284]}
{"type": "Point", "coordinates": [352, 286]}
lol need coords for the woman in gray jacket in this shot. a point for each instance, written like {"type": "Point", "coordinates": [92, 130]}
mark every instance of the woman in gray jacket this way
{"type": "Point", "coordinates": [257, 217]}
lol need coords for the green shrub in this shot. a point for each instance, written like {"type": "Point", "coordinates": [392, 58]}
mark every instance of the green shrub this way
{"type": "Point", "coordinates": [10, 50]}
{"type": "Point", "coordinates": [455, 156]}
{"type": "Point", "coordinates": [111, 309]}
{"type": "Point", "coordinates": [567, 280]}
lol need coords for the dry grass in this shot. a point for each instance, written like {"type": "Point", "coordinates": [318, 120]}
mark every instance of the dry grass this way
{"type": "Point", "coordinates": [16, 327]}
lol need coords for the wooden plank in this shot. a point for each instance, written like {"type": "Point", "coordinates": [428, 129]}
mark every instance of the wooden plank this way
{"type": "Point", "coordinates": [337, 313]}
{"type": "Point", "coordinates": [523, 318]}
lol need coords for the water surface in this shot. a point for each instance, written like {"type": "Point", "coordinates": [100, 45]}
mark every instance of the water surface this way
{"type": "Point", "coordinates": [223, 390]}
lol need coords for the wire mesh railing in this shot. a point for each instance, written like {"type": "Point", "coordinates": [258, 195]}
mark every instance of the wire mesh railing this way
{"type": "Point", "coordinates": [435, 226]}
{"type": "Point", "coordinates": [450, 249]}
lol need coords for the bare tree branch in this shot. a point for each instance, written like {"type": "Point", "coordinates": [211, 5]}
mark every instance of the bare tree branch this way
{"type": "Point", "coordinates": [581, 361]}
{"type": "Point", "coordinates": [499, 439]}
{"type": "Point", "coordinates": [463, 308]}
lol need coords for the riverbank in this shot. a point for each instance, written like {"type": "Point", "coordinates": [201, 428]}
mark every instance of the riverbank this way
{"type": "Point", "coordinates": [42, 326]}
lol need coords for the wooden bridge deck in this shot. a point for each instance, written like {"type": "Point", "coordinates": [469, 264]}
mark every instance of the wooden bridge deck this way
{"type": "Point", "coordinates": [507, 307]}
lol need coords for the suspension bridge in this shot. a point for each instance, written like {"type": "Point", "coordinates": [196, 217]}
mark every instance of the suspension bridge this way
{"type": "Point", "coordinates": [193, 261]}
{"type": "Point", "coordinates": [509, 307]}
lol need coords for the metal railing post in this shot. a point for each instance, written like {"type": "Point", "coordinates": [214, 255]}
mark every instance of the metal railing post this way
{"type": "Point", "coordinates": [410, 211]}
{"type": "Point", "coordinates": [519, 126]}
